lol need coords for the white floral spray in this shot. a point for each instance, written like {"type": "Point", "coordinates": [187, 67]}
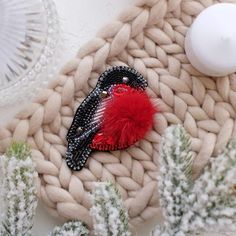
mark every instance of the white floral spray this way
{"type": "Point", "coordinates": [109, 215]}
{"type": "Point", "coordinates": [191, 208]}
{"type": "Point", "coordinates": [212, 202]}
{"type": "Point", "coordinates": [18, 191]}
{"type": "Point", "coordinates": [174, 182]}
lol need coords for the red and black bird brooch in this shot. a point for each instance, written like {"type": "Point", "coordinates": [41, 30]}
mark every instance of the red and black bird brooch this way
{"type": "Point", "coordinates": [114, 116]}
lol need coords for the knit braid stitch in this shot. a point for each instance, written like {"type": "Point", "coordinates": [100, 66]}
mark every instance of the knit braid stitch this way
{"type": "Point", "coordinates": [150, 38]}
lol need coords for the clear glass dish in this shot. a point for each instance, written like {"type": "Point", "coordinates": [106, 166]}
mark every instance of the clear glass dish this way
{"type": "Point", "coordinates": [29, 43]}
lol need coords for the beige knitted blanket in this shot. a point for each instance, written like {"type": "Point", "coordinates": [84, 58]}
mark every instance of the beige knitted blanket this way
{"type": "Point", "coordinates": [150, 38]}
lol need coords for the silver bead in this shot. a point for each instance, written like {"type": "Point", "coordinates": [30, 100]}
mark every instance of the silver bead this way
{"type": "Point", "coordinates": [125, 79]}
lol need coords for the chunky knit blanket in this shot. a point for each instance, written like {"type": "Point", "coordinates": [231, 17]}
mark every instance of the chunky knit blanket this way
{"type": "Point", "coordinates": [149, 37]}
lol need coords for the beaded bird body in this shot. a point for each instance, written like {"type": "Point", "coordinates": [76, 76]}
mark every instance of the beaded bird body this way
{"type": "Point", "coordinates": [120, 87]}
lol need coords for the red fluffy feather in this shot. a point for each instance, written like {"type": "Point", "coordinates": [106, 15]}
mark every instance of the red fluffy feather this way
{"type": "Point", "coordinates": [127, 118]}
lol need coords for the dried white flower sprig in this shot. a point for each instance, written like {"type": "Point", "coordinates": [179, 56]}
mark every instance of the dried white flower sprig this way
{"type": "Point", "coordinates": [174, 182]}
{"type": "Point", "coordinates": [18, 191]}
{"type": "Point", "coordinates": [190, 208]}
{"type": "Point", "coordinates": [109, 215]}
{"type": "Point", "coordinates": [213, 200]}
{"type": "Point", "coordinates": [72, 228]}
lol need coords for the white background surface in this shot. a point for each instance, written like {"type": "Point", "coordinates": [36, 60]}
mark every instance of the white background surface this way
{"type": "Point", "coordinates": [80, 20]}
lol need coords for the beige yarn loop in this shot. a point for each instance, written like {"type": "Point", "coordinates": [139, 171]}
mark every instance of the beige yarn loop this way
{"type": "Point", "coordinates": [150, 38]}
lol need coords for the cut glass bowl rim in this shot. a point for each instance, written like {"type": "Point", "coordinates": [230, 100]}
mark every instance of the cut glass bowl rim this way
{"type": "Point", "coordinates": [45, 66]}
